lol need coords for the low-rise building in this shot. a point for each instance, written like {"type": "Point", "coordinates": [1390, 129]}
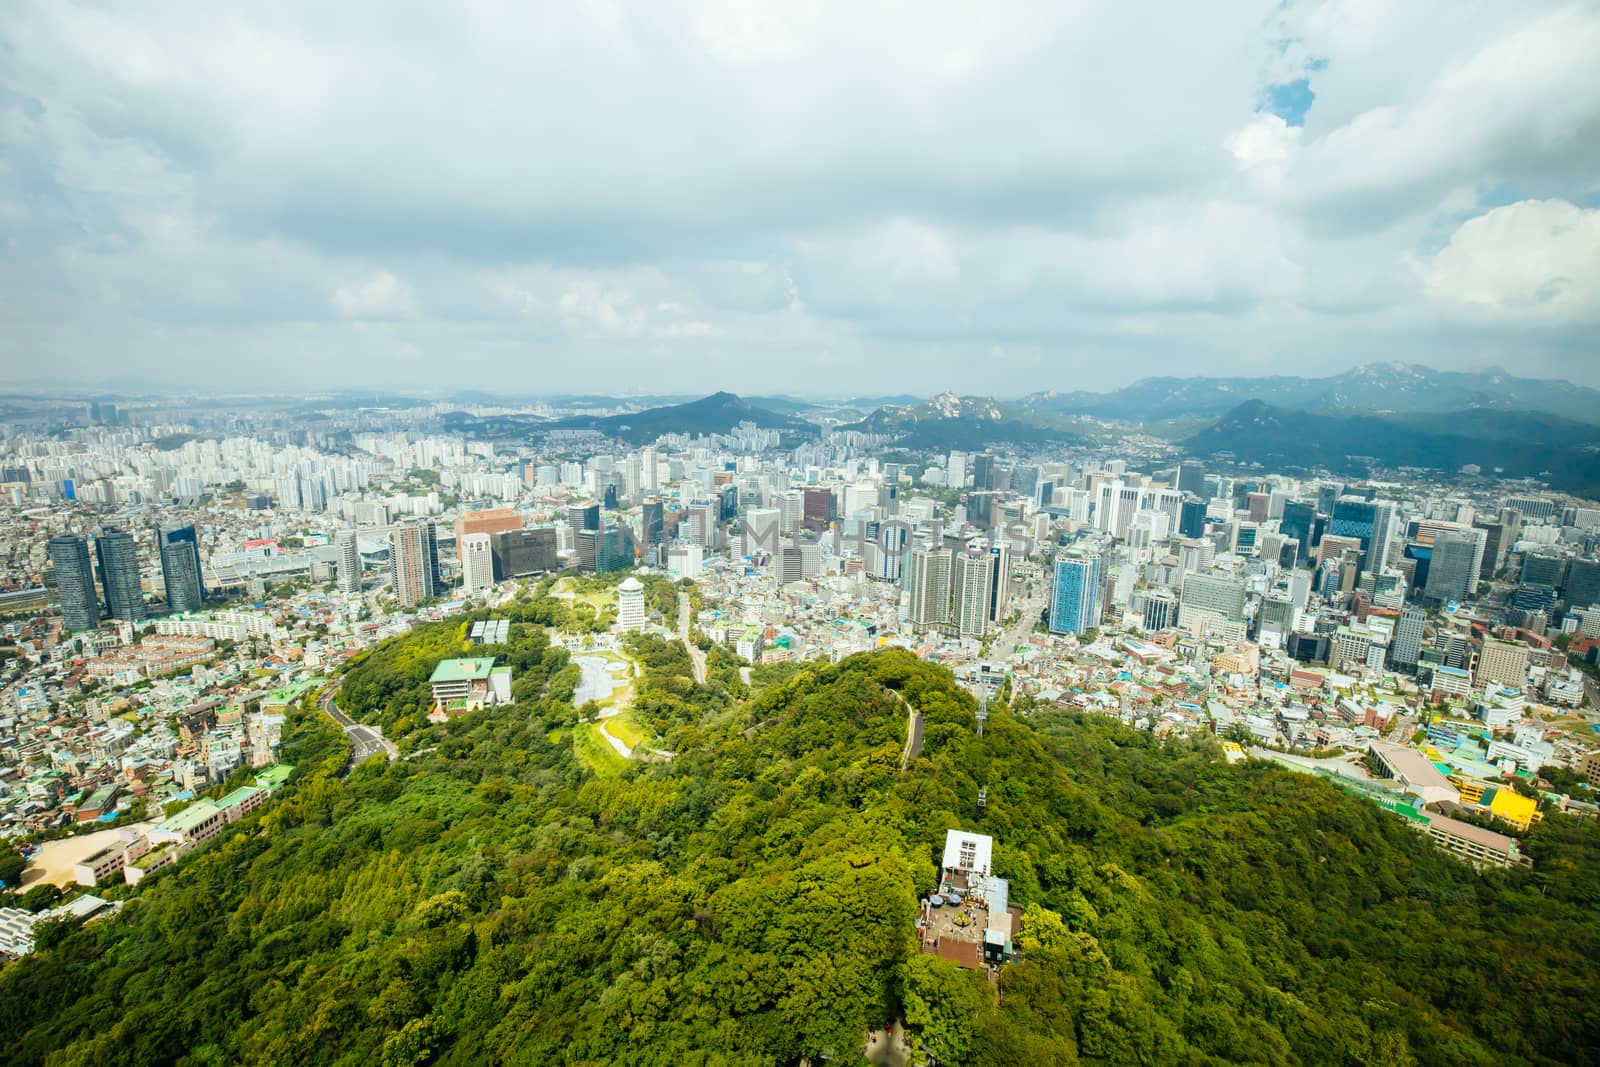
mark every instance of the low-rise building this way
{"type": "Point", "coordinates": [93, 870]}
{"type": "Point", "coordinates": [1414, 773]}
{"type": "Point", "coordinates": [461, 685]}
{"type": "Point", "coordinates": [1473, 843]}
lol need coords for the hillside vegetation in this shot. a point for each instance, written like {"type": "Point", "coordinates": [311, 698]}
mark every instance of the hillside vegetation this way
{"type": "Point", "coordinates": [752, 900]}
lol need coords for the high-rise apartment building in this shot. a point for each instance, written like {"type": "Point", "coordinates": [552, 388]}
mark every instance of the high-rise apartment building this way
{"type": "Point", "coordinates": [971, 587]}
{"type": "Point", "coordinates": [414, 561]}
{"type": "Point", "coordinates": [1075, 600]}
{"type": "Point", "coordinates": [119, 574]}
{"type": "Point", "coordinates": [69, 559]}
{"type": "Point", "coordinates": [929, 585]}
{"type": "Point", "coordinates": [349, 576]}
{"type": "Point", "coordinates": [179, 545]}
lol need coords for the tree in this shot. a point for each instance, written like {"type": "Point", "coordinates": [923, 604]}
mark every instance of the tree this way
{"type": "Point", "coordinates": [945, 1006]}
{"type": "Point", "coordinates": [39, 897]}
{"type": "Point", "coordinates": [12, 865]}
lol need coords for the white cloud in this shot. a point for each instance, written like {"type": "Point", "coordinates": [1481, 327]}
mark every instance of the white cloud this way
{"type": "Point", "coordinates": [1537, 259]}
{"type": "Point", "coordinates": [1267, 141]}
{"type": "Point", "coordinates": [668, 188]}
{"type": "Point", "coordinates": [381, 296]}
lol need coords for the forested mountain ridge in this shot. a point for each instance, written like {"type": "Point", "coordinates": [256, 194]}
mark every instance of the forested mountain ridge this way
{"type": "Point", "coordinates": [487, 900]}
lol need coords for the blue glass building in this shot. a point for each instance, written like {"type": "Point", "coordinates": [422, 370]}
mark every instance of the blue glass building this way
{"type": "Point", "coordinates": [1075, 599]}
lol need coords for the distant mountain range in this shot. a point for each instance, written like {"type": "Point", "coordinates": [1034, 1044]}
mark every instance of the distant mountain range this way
{"type": "Point", "coordinates": [1512, 444]}
{"type": "Point", "coordinates": [961, 422]}
{"type": "Point", "coordinates": [717, 413]}
{"type": "Point", "coordinates": [1376, 387]}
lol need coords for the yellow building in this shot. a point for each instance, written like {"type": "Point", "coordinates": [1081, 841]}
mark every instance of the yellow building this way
{"type": "Point", "coordinates": [1514, 809]}
{"type": "Point", "coordinates": [1472, 789]}
{"type": "Point", "coordinates": [1503, 802]}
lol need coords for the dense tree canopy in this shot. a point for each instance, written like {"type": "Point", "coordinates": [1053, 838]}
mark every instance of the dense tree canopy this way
{"type": "Point", "coordinates": [752, 900]}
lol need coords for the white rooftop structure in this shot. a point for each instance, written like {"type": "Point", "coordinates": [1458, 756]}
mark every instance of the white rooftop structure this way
{"type": "Point", "coordinates": [967, 852]}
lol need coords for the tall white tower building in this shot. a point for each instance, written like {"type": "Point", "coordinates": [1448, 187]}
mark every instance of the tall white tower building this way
{"type": "Point", "coordinates": [477, 562]}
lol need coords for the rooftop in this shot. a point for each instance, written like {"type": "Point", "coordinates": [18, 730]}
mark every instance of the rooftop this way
{"type": "Point", "coordinates": [462, 670]}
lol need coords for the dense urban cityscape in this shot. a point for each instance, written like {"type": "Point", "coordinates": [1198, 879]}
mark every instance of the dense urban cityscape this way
{"type": "Point", "coordinates": [173, 585]}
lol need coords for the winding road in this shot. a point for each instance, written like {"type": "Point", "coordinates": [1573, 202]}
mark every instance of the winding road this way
{"type": "Point", "coordinates": [365, 741]}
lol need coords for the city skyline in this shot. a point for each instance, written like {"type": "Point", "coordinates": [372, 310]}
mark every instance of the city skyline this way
{"type": "Point", "coordinates": [1033, 196]}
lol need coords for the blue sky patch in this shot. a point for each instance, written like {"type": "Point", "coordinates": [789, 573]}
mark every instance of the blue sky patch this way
{"type": "Point", "coordinates": [1289, 101]}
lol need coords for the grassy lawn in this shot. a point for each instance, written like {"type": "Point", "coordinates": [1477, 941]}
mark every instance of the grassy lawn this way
{"type": "Point", "coordinates": [624, 729]}
{"type": "Point", "coordinates": [595, 752]}
{"type": "Point", "coordinates": [599, 599]}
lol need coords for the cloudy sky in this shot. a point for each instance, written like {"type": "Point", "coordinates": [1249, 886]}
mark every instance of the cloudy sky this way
{"type": "Point", "coordinates": [812, 196]}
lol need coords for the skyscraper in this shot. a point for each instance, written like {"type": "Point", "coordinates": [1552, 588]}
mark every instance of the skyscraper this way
{"type": "Point", "coordinates": [983, 471]}
{"type": "Point", "coordinates": [1451, 569]}
{"type": "Point", "coordinates": [929, 585]}
{"type": "Point", "coordinates": [349, 562]}
{"type": "Point", "coordinates": [179, 545]}
{"type": "Point", "coordinates": [1192, 518]}
{"type": "Point", "coordinates": [613, 549]}
{"type": "Point", "coordinates": [891, 541]}
{"type": "Point", "coordinates": [1297, 522]}
{"type": "Point", "coordinates": [999, 581]}
{"type": "Point", "coordinates": [1192, 479]}
{"type": "Point", "coordinates": [119, 574]}
{"type": "Point", "coordinates": [1583, 583]}
{"type": "Point", "coordinates": [1406, 648]}
{"type": "Point", "coordinates": [584, 516]}
{"type": "Point", "coordinates": [653, 526]}
{"type": "Point", "coordinates": [477, 562]}
{"type": "Point", "coordinates": [414, 561]}
{"type": "Point", "coordinates": [69, 557]}
{"type": "Point", "coordinates": [1369, 522]}
{"type": "Point", "coordinates": [587, 550]}
{"type": "Point", "coordinates": [1160, 610]}
{"type": "Point", "coordinates": [704, 527]}
{"type": "Point", "coordinates": [971, 585]}
{"type": "Point", "coordinates": [1075, 599]}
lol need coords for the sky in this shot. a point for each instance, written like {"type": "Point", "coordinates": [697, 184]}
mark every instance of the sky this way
{"type": "Point", "coordinates": [809, 197]}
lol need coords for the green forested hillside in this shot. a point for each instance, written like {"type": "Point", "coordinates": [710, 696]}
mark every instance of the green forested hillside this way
{"type": "Point", "coordinates": [752, 900]}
